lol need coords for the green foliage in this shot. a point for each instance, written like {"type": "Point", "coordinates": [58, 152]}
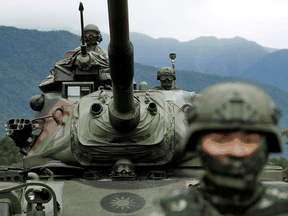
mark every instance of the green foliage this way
{"type": "Point", "coordinates": [284, 133]}
{"type": "Point", "coordinates": [25, 60]}
{"type": "Point", "coordinates": [285, 172]}
{"type": "Point", "coordinates": [282, 161]}
{"type": "Point", "coordinates": [9, 153]}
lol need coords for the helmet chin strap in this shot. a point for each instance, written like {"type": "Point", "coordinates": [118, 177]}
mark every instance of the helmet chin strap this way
{"type": "Point", "coordinates": [230, 181]}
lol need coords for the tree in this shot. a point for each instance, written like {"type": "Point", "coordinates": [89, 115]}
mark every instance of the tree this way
{"type": "Point", "coordinates": [285, 172]}
{"type": "Point", "coordinates": [284, 133]}
{"type": "Point", "coordinates": [282, 161]}
{"type": "Point", "coordinates": [9, 153]}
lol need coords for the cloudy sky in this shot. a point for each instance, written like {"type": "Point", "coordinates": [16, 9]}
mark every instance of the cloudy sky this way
{"type": "Point", "coordinates": [262, 21]}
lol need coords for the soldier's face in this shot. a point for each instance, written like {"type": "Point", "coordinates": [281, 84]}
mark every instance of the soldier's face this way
{"type": "Point", "coordinates": [166, 81]}
{"type": "Point", "coordinates": [91, 37]}
{"type": "Point", "coordinates": [237, 144]}
{"type": "Point", "coordinates": [233, 160]}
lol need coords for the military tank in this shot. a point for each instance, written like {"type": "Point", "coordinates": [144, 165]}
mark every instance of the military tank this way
{"type": "Point", "coordinates": [96, 145]}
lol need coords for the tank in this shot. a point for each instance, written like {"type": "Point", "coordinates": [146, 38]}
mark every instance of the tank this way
{"type": "Point", "coordinates": [96, 145]}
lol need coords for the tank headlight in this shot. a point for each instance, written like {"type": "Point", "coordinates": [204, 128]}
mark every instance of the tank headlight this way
{"type": "Point", "coordinates": [31, 196]}
{"type": "Point", "coordinates": [41, 195]}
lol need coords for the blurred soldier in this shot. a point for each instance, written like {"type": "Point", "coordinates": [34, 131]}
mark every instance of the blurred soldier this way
{"type": "Point", "coordinates": [166, 76]}
{"type": "Point", "coordinates": [93, 38]}
{"type": "Point", "coordinates": [233, 127]}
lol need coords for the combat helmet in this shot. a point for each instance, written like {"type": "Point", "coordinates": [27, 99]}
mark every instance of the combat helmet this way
{"type": "Point", "coordinates": [123, 168]}
{"type": "Point", "coordinates": [91, 27]}
{"type": "Point", "coordinates": [166, 71]}
{"type": "Point", "coordinates": [234, 106]}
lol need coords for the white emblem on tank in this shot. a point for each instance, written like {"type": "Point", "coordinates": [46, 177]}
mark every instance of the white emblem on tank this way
{"type": "Point", "coordinates": [123, 203]}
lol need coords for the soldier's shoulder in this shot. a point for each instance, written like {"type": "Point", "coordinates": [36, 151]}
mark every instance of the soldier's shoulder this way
{"type": "Point", "coordinates": [101, 52]}
{"type": "Point", "coordinates": [189, 202]}
{"type": "Point", "coordinates": [71, 53]}
{"type": "Point", "coordinates": [100, 48]}
{"type": "Point", "coordinates": [274, 194]}
{"type": "Point", "coordinates": [274, 201]}
{"type": "Point", "coordinates": [158, 88]}
{"type": "Point", "coordinates": [77, 49]}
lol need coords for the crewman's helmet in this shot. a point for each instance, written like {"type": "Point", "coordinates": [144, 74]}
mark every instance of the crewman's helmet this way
{"type": "Point", "coordinates": [166, 73]}
{"type": "Point", "coordinates": [92, 34]}
{"type": "Point", "coordinates": [224, 110]}
{"type": "Point", "coordinates": [235, 106]}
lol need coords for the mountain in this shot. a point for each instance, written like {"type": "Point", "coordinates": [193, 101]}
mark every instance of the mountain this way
{"type": "Point", "coordinates": [226, 57]}
{"type": "Point", "coordinates": [272, 69]}
{"type": "Point", "coordinates": [25, 60]}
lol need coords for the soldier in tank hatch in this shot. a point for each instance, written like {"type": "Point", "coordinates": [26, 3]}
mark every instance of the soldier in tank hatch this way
{"type": "Point", "coordinates": [166, 76]}
{"type": "Point", "coordinates": [93, 38]}
{"type": "Point", "coordinates": [233, 128]}
{"type": "Point", "coordinates": [97, 58]}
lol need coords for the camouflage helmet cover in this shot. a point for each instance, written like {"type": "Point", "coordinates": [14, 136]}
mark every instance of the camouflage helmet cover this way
{"type": "Point", "coordinates": [165, 71]}
{"type": "Point", "coordinates": [123, 162]}
{"type": "Point", "coordinates": [234, 106]}
{"type": "Point", "coordinates": [91, 27]}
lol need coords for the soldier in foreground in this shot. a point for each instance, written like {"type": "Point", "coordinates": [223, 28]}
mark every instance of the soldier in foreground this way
{"type": "Point", "coordinates": [166, 76]}
{"type": "Point", "coordinates": [93, 38]}
{"type": "Point", "coordinates": [233, 127]}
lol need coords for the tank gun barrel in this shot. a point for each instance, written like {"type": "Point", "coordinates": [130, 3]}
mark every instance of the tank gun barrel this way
{"type": "Point", "coordinates": [119, 23]}
{"type": "Point", "coordinates": [121, 55]}
{"type": "Point", "coordinates": [124, 113]}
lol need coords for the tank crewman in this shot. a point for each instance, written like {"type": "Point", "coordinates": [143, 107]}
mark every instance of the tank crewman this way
{"type": "Point", "coordinates": [233, 128]}
{"type": "Point", "coordinates": [99, 56]}
{"type": "Point", "coordinates": [166, 76]}
{"type": "Point", "coordinates": [93, 38]}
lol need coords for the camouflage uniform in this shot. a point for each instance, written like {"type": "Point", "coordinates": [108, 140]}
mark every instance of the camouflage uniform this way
{"type": "Point", "coordinates": [97, 57]}
{"type": "Point", "coordinates": [232, 187]}
{"type": "Point", "coordinates": [193, 202]}
{"type": "Point", "coordinates": [96, 49]}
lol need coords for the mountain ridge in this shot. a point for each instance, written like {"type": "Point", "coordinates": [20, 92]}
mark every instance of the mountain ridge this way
{"type": "Point", "coordinates": [272, 69]}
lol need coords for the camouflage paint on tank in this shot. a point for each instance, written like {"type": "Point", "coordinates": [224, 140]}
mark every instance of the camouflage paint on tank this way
{"type": "Point", "coordinates": [151, 142]}
{"type": "Point", "coordinates": [54, 141]}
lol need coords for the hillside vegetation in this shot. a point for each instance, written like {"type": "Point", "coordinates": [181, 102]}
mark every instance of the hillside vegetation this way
{"type": "Point", "coordinates": [9, 153]}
